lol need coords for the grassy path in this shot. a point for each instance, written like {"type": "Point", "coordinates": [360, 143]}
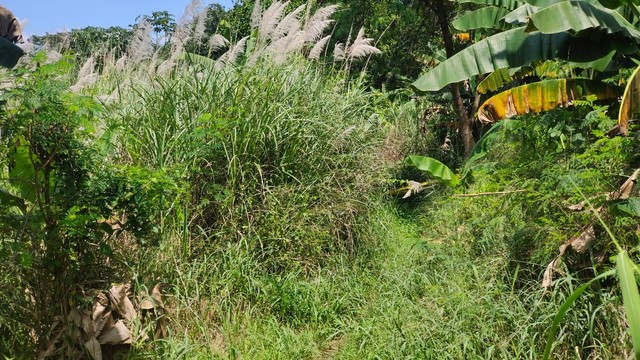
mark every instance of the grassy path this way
{"type": "Point", "coordinates": [425, 293]}
{"type": "Point", "coordinates": [425, 298]}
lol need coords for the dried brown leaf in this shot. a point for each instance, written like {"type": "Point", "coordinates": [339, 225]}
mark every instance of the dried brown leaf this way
{"type": "Point", "coordinates": [118, 334]}
{"type": "Point", "coordinates": [154, 301]}
{"type": "Point", "coordinates": [627, 186]}
{"type": "Point", "coordinates": [120, 301]}
{"type": "Point", "coordinates": [93, 347]}
{"type": "Point", "coordinates": [576, 207]}
{"type": "Point", "coordinates": [100, 313]}
{"type": "Point", "coordinates": [547, 278]}
{"type": "Point", "coordinates": [75, 317]}
{"type": "Point", "coordinates": [583, 242]}
{"type": "Point", "coordinates": [51, 347]}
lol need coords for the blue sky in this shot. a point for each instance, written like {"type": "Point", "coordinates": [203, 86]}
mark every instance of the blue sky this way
{"type": "Point", "coordinates": [56, 15]}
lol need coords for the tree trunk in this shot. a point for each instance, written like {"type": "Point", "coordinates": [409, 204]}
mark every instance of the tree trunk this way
{"type": "Point", "coordinates": [464, 120]}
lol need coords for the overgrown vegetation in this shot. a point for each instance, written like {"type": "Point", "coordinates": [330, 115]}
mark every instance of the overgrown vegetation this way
{"type": "Point", "coordinates": [249, 193]}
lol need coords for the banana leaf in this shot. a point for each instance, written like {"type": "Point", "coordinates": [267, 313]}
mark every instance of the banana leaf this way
{"type": "Point", "coordinates": [630, 104]}
{"type": "Point", "coordinates": [485, 18]}
{"type": "Point", "coordinates": [434, 168]}
{"type": "Point", "coordinates": [542, 96]}
{"type": "Point", "coordinates": [577, 16]}
{"type": "Point", "coordinates": [520, 15]}
{"type": "Point", "coordinates": [515, 48]}
{"type": "Point", "coordinates": [496, 80]}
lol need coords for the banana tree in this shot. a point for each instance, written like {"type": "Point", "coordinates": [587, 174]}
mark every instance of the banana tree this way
{"type": "Point", "coordinates": [586, 34]}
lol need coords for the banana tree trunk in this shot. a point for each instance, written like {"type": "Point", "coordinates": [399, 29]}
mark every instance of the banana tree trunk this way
{"type": "Point", "coordinates": [465, 120]}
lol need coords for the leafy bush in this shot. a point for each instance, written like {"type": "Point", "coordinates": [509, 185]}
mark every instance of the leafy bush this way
{"type": "Point", "coordinates": [66, 214]}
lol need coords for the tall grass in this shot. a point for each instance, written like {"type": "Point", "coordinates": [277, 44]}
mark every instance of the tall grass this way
{"type": "Point", "coordinates": [279, 157]}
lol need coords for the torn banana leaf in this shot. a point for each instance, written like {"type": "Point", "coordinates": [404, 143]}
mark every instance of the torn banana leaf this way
{"type": "Point", "coordinates": [543, 96]}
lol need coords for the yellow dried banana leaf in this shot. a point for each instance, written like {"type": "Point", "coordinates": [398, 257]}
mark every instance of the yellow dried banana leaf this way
{"type": "Point", "coordinates": [630, 105]}
{"type": "Point", "coordinates": [543, 96]}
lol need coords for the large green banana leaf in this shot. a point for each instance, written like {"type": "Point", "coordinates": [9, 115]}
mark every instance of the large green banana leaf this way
{"type": "Point", "coordinates": [515, 48]}
{"type": "Point", "coordinates": [630, 104]}
{"type": "Point", "coordinates": [520, 15]}
{"type": "Point", "coordinates": [485, 18]}
{"type": "Point", "coordinates": [543, 96]}
{"type": "Point", "coordinates": [577, 16]}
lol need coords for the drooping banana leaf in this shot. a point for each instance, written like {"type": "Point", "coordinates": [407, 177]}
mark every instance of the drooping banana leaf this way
{"type": "Point", "coordinates": [485, 18]}
{"type": "Point", "coordinates": [515, 48]}
{"type": "Point", "coordinates": [577, 16]}
{"type": "Point", "coordinates": [630, 104]}
{"type": "Point", "coordinates": [542, 96]}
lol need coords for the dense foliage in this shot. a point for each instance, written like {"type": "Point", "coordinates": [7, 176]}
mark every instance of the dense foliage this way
{"type": "Point", "coordinates": [262, 182]}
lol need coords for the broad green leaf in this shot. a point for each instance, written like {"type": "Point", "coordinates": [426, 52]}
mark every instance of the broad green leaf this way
{"type": "Point", "coordinates": [565, 307]}
{"type": "Point", "coordinates": [629, 206]}
{"type": "Point", "coordinates": [577, 16]}
{"type": "Point", "coordinates": [434, 168]}
{"type": "Point", "coordinates": [542, 96]}
{"type": "Point", "coordinates": [520, 15]}
{"type": "Point", "coordinates": [630, 104]}
{"type": "Point", "coordinates": [515, 48]}
{"type": "Point", "coordinates": [630, 297]}
{"type": "Point", "coordinates": [484, 18]}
